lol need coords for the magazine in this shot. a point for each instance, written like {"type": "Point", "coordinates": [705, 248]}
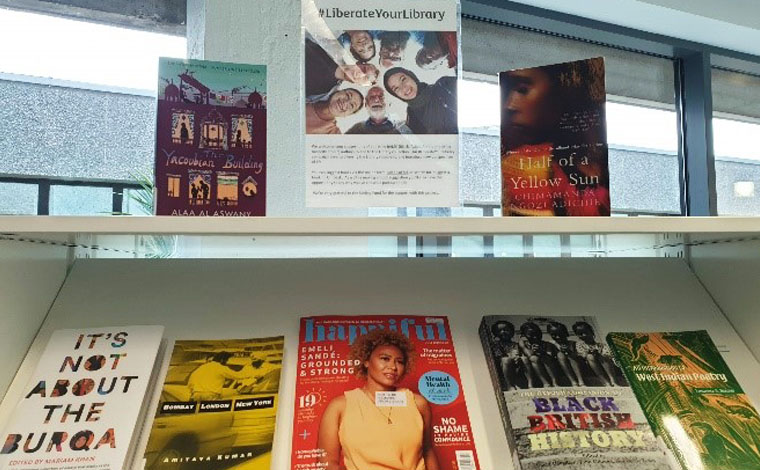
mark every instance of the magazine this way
{"type": "Point", "coordinates": [84, 400]}
{"type": "Point", "coordinates": [211, 139]}
{"type": "Point", "coordinates": [379, 391]}
{"type": "Point", "coordinates": [218, 406]}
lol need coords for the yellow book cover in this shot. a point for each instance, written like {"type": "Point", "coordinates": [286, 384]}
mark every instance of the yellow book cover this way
{"type": "Point", "coordinates": [218, 406]}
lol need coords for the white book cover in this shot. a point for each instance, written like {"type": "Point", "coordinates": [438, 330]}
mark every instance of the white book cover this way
{"type": "Point", "coordinates": [81, 406]}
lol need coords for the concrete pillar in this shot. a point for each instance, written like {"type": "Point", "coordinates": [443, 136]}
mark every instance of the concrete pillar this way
{"type": "Point", "coordinates": [264, 32]}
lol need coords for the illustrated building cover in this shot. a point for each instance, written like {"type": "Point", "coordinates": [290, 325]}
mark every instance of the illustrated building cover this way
{"type": "Point", "coordinates": [218, 406]}
{"type": "Point", "coordinates": [691, 398]}
{"type": "Point", "coordinates": [379, 392]}
{"type": "Point", "coordinates": [564, 403]}
{"type": "Point", "coordinates": [82, 404]}
{"type": "Point", "coordinates": [380, 103]}
{"type": "Point", "coordinates": [211, 139]}
{"type": "Point", "coordinates": [554, 140]}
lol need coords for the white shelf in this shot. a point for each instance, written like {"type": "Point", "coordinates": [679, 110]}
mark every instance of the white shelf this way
{"type": "Point", "coordinates": [374, 226]}
{"type": "Point", "coordinates": [247, 298]}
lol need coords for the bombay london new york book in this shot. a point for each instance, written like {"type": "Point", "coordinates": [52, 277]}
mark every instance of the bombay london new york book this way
{"type": "Point", "coordinates": [218, 406]}
{"type": "Point", "coordinates": [81, 407]}
{"type": "Point", "coordinates": [564, 403]}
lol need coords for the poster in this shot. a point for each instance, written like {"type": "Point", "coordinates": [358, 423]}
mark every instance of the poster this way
{"type": "Point", "coordinates": [211, 139]}
{"type": "Point", "coordinates": [380, 103]}
{"type": "Point", "coordinates": [554, 140]}
{"type": "Point", "coordinates": [380, 391]}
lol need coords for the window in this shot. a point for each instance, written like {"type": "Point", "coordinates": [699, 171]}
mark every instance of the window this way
{"type": "Point", "coordinates": [77, 200]}
{"type": "Point", "coordinates": [174, 181]}
{"type": "Point", "coordinates": [641, 117]}
{"type": "Point", "coordinates": [92, 116]}
{"type": "Point", "coordinates": [736, 125]}
{"type": "Point", "coordinates": [82, 52]}
{"type": "Point", "coordinates": [77, 103]}
{"type": "Point", "coordinates": [643, 154]}
{"type": "Point", "coordinates": [18, 199]}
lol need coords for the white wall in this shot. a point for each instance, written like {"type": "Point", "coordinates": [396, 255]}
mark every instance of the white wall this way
{"type": "Point", "coordinates": [266, 32]}
{"type": "Point", "coordinates": [30, 277]}
{"type": "Point", "coordinates": [730, 271]}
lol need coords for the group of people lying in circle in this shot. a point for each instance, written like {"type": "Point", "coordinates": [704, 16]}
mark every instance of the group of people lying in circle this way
{"type": "Point", "coordinates": [534, 362]}
{"type": "Point", "coordinates": [359, 69]}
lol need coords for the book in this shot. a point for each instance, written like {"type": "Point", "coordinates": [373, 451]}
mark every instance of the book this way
{"type": "Point", "coordinates": [379, 391]}
{"type": "Point", "coordinates": [691, 398]}
{"type": "Point", "coordinates": [563, 401]}
{"type": "Point", "coordinates": [84, 400]}
{"type": "Point", "coordinates": [211, 139]}
{"type": "Point", "coordinates": [218, 405]}
{"type": "Point", "coordinates": [554, 140]}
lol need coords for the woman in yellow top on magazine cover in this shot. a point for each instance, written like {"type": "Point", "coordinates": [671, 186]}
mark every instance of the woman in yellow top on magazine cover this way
{"type": "Point", "coordinates": [372, 437]}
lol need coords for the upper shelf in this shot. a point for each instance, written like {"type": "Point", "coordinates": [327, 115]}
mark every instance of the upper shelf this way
{"type": "Point", "coordinates": [374, 226]}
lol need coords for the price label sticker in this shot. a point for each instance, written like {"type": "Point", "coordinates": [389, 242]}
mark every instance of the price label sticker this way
{"type": "Point", "coordinates": [390, 398]}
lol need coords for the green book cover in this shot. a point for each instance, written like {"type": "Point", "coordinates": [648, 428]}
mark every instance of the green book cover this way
{"type": "Point", "coordinates": [691, 398]}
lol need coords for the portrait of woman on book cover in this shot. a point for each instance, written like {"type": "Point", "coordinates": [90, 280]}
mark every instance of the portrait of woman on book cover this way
{"type": "Point", "coordinates": [553, 139]}
{"type": "Point", "coordinates": [378, 425]}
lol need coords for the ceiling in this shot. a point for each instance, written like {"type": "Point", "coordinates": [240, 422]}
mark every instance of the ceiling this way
{"type": "Point", "coordinates": [738, 12]}
{"type": "Point", "coordinates": [733, 25]}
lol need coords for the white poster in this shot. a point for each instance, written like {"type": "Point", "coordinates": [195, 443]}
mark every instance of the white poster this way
{"type": "Point", "coordinates": [80, 409]}
{"type": "Point", "coordinates": [380, 93]}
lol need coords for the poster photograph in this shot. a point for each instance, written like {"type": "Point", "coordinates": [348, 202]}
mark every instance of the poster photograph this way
{"type": "Point", "coordinates": [380, 103]}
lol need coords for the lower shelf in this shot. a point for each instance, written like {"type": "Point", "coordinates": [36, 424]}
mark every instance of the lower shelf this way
{"type": "Point", "coordinates": [196, 299]}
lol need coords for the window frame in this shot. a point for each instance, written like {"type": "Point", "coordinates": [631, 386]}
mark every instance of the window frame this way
{"type": "Point", "coordinates": [693, 81]}
{"type": "Point", "coordinates": [693, 62]}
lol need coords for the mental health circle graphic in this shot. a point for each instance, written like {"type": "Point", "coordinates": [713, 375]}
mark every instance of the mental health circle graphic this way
{"type": "Point", "coordinates": [438, 387]}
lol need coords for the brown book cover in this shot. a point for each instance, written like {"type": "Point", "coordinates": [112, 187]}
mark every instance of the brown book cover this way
{"type": "Point", "coordinates": [554, 140]}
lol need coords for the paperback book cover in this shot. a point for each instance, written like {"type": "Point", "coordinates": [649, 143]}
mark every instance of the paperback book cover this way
{"type": "Point", "coordinates": [211, 139]}
{"type": "Point", "coordinates": [554, 140]}
{"type": "Point", "coordinates": [83, 402]}
{"type": "Point", "coordinates": [218, 406]}
{"type": "Point", "coordinates": [379, 391]}
{"type": "Point", "coordinates": [564, 403]}
{"type": "Point", "coordinates": [691, 398]}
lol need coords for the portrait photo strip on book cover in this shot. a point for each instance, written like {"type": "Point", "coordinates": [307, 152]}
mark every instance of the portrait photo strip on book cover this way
{"type": "Point", "coordinates": [541, 352]}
